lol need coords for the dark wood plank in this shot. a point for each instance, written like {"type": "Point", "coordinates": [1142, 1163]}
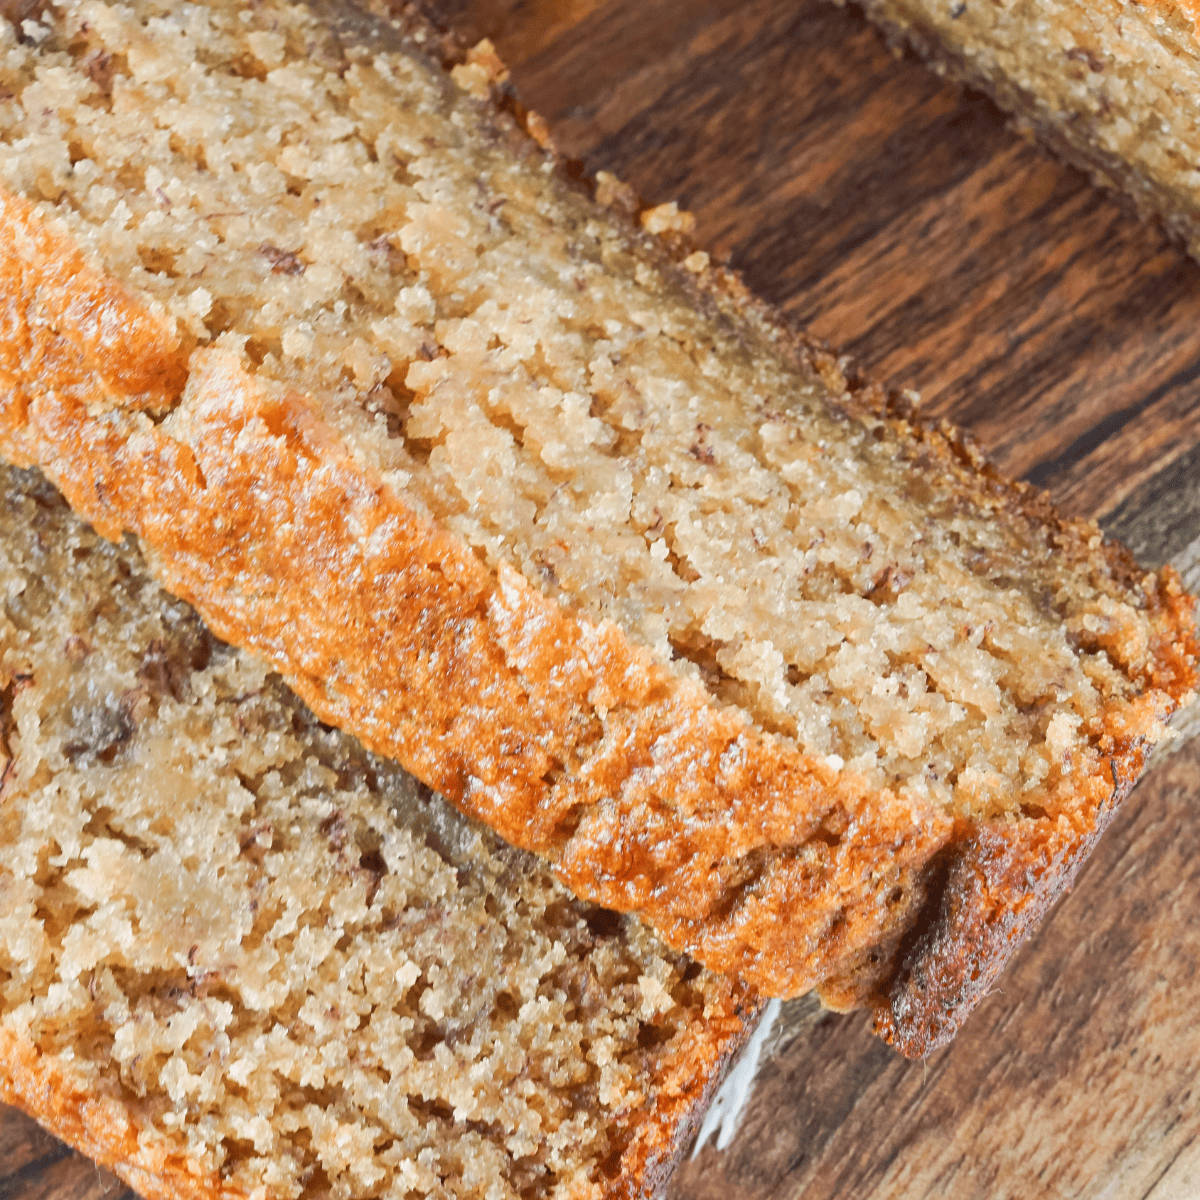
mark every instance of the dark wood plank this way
{"type": "Point", "coordinates": [23, 1143]}
{"type": "Point", "coordinates": [1161, 518]}
{"type": "Point", "coordinates": [35, 1166]}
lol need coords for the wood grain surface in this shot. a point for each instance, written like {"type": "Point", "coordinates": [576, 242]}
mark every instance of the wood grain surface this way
{"type": "Point", "coordinates": [1077, 1078]}
{"type": "Point", "coordinates": [898, 218]}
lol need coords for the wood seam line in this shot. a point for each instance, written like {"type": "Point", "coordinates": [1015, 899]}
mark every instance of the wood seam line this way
{"type": "Point", "coordinates": [11, 1184]}
{"type": "Point", "coordinates": [1042, 474]}
{"type": "Point", "coordinates": [1149, 1192]}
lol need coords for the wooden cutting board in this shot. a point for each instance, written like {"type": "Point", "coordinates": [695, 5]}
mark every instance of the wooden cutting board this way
{"type": "Point", "coordinates": [898, 218]}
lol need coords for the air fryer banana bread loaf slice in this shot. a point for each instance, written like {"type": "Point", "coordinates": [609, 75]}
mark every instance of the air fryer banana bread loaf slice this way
{"type": "Point", "coordinates": [1111, 85]}
{"type": "Point", "coordinates": [242, 957]}
{"type": "Point", "coordinates": [572, 529]}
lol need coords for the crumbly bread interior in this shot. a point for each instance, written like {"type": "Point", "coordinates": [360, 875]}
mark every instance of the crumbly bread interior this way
{"type": "Point", "coordinates": [286, 960]}
{"type": "Point", "coordinates": [1113, 84]}
{"type": "Point", "coordinates": [511, 361]}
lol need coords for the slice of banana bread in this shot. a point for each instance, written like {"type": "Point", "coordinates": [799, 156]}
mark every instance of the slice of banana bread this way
{"type": "Point", "coordinates": [1111, 85]}
{"type": "Point", "coordinates": [241, 956]}
{"type": "Point", "coordinates": [558, 518]}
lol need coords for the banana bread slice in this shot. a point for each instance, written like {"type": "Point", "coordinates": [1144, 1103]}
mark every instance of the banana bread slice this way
{"type": "Point", "coordinates": [1111, 85]}
{"type": "Point", "coordinates": [242, 957]}
{"type": "Point", "coordinates": [557, 517]}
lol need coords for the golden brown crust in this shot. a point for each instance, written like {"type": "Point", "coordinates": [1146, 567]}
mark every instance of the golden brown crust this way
{"type": "Point", "coordinates": [49, 292]}
{"type": "Point", "coordinates": [663, 1129]}
{"type": "Point", "coordinates": [994, 883]}
{"type": "Point", "coordinates": [101, 1127]}
{"type": "Point", "coordinates": [559, 734]}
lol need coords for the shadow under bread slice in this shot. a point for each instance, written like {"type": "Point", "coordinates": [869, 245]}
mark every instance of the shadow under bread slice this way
{"type": "Point", "coordinates": [1111, 85]}
{"type": "Point", "coordinates": [241, 956]}
{"type": "Point", "coordinates": [574, 530]}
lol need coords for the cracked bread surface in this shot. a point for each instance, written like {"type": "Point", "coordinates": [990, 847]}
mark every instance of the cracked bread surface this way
{"type": "Point", "coordinates": [241, 956]}
{"type": "Point", "coordinates": [1112, 86]}
{"type": "Point", "coordinates": [573, 529]}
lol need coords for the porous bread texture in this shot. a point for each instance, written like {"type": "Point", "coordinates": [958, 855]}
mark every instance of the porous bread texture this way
{"type": "Point", "coordinates": [296, 211]}
{"type": "Point", "coordinates": [576, 532]}
{"type": "Point", "coordinates": [1112, 85]}
{"type": "Point", "coordinates": [241, 956]}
